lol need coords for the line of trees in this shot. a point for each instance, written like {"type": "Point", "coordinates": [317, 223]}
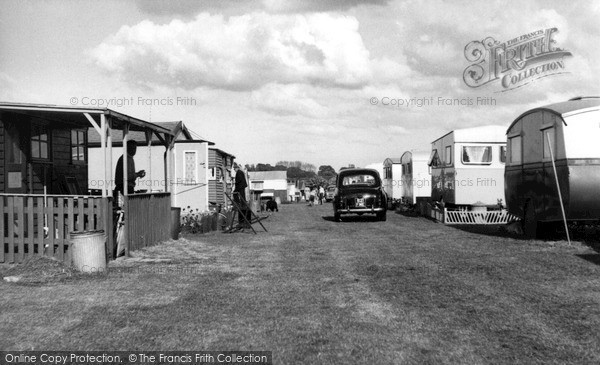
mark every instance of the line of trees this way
{"type": "Point", "coordinates": [296, 169]}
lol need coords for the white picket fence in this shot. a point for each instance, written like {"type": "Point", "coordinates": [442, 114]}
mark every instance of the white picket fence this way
{"type": "Point", "coordinates": [478, 217]}
{"type": "Point", "coordinates": [463, 216]}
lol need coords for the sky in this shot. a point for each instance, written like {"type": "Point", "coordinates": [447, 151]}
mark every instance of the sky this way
{"type": "Point", "coordinates": [328, 82]}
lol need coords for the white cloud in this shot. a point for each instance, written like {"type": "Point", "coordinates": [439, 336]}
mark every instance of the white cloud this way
{"type": "Point", "coordinates": [239, 53]}
{"type": "Point", "coordinates": [290, 99]}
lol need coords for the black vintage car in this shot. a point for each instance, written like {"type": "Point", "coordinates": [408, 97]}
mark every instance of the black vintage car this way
{"type": "Point", "coordinates": [359, 191]}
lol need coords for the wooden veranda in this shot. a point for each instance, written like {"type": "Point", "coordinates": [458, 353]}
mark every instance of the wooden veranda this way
{"type": "Point", "coordinates": [35, 222]}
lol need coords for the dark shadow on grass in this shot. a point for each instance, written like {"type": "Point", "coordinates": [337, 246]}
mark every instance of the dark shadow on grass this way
{"type": "Point", "coordinates": [353, 218]}
{"type": "Point", "coordinates": [546, 232]}
{"type": "Point", "coordinates": [408, 213]}
{"type": "Point", "coordinates": [493, 230]}
{"type": "Point", "coordinates": [594, 258]}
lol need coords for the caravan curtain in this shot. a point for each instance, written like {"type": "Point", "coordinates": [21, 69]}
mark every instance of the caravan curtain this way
{"type": "Point", "coordinates": [477, 154]}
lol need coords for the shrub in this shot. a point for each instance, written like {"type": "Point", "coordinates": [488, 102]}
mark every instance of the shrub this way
{"type": "Point", "coordinates": [195, 221]}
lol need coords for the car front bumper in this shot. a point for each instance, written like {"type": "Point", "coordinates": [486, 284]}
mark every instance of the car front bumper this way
{"type": "Point", "coordinates": [359, 210]}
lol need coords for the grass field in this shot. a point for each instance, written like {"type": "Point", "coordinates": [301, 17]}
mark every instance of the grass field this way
{"type": "Point", "coordinates": [313, 291]}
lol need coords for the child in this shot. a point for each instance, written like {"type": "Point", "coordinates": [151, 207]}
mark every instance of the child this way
{"type": "Point", "coordinates": [313, 193]}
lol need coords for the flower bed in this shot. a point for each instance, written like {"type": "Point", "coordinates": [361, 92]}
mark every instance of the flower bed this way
{"type": "Point", "coordinates": [196, 221]}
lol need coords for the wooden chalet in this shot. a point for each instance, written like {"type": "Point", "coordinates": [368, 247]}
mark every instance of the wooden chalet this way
{"type": "Point", "coordinates": [44, 192]}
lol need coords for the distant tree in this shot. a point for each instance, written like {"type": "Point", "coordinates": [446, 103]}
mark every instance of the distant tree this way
{"type": "Point", "coordinates": [297, 173]}
{"type": "Point", "coordinates": [263, 167]}
{"type": "Point", "coordinates": [318, 181]}
{"type": "Point", "coordinates": [308, 167]}
{"type": "Point", "coordinates": [326, 171]}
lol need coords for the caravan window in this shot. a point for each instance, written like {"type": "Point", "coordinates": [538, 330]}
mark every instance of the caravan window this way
{"type": "Point", "coordinates": [448, 156]}
{"type": "Point", "coordinates": [548, 134]}
{"type": "Point", "coordinates": [434, 159]}
{"type": "Point", "coordinates": [387, 172]}
{"type": "Point", "coordinates": [515, 150]}
{"type": "Point", "coordinates": [503, 154]}
{"type": "Point", "coordinates": [477, 155]}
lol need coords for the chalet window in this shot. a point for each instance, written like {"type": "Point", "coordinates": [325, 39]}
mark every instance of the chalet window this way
{"type": "Point", "coordinates": [515, 150]}
{"type": "Point", "coordinates": [212, 173]}
{"type": "Point", "coordinates": [477, 155]}
{"type": "Point", "coordinates": [78, 146]}
{"type": "Point", "coordinates": [190, 171]}
{"type": "Point", "coordinates": [448, 156]}
{"type": "Point", "coordinates": [503, 154]}
{"type": "Point", "coordinates": [549, 134]}
{"type": "Point", "coordinates": [40, 143]}
{"type": "Point", "coordinates": [13, 150]}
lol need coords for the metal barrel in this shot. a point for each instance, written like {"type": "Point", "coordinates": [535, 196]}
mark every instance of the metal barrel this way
{"type": "Point", "coordinates": [88, 251]}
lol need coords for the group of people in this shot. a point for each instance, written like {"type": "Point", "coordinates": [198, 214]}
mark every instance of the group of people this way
{"type": "Point", "coordinates": [314, 195]}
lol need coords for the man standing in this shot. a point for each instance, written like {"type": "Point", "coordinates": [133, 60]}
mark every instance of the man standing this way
{"type": "Point", "coordinates": [239, 196]}
{"type": "Point", "coordinates": [321, 194]}
{"type": "Point", "coordinates": [119, 190]}
{"type": "Point", "coordinates": [131, 174]}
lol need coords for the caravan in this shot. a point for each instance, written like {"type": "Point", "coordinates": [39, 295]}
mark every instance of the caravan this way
{"type": "Point", "coordinates": [467, 176]}
{"type": "Point", "coordinates": [416, 180]}
{"type": "Point", "coordinates": [467, 167]}
{"type": "Point", "coordinates": [567, 133]}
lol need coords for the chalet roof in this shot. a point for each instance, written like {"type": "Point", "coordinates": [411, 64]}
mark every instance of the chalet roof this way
{"type": "Point", "coordinates": [75, 116]}
{"type": "Point", "coordinates": [177, 128]}
{"type": "Point", "coordinates": [267, 175]}
{"type": "Point", "coordinates": [220, 151]}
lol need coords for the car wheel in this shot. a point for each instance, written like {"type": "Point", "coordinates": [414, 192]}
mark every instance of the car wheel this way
{"type": "Point", "coordinates": [337, 217]}
{"type": "Point", "coordinates": [382, 216]}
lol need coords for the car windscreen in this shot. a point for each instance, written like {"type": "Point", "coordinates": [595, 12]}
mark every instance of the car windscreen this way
{"type": "Point", "coordinates": [362, 179]}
